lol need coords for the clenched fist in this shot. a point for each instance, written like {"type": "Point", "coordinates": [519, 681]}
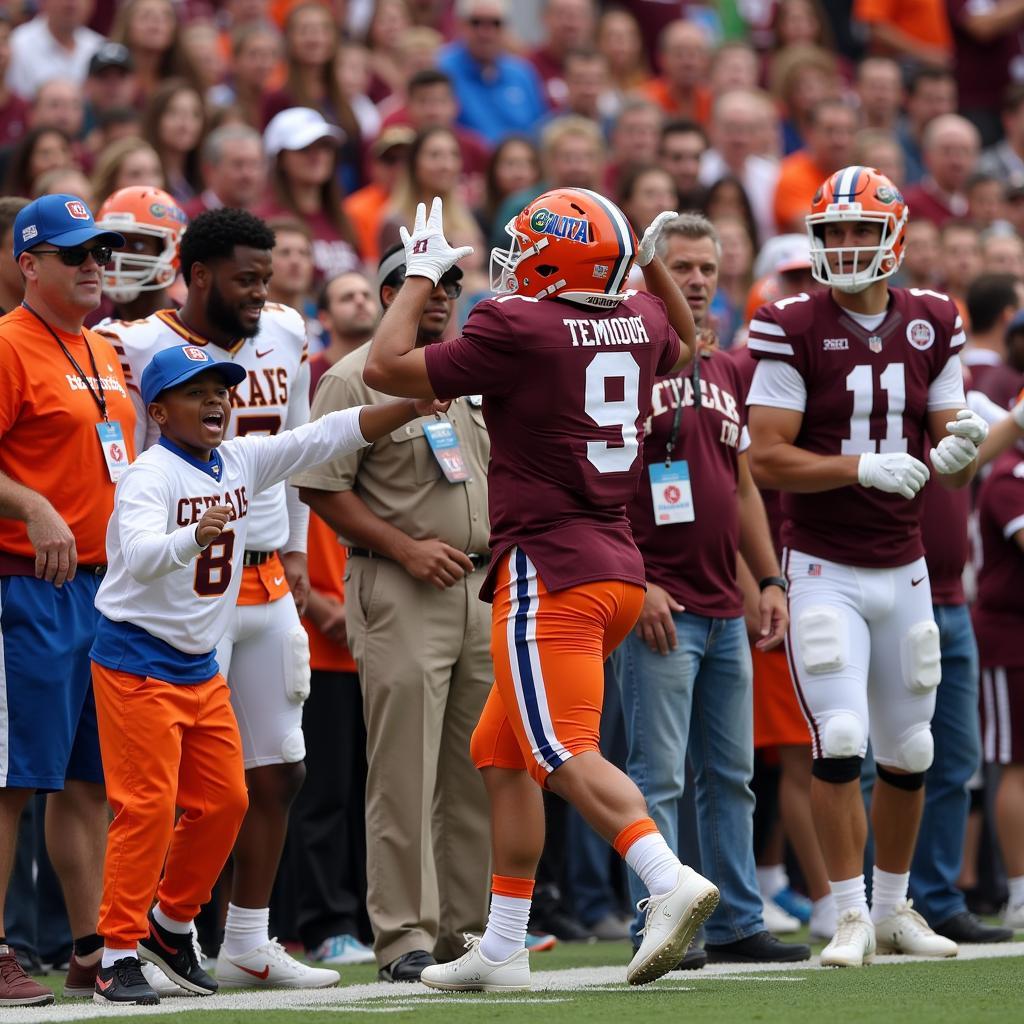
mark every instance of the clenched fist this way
{"type": "Point", "coordinates": [210, 527]}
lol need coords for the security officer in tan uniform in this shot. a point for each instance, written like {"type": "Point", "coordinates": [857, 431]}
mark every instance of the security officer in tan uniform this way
{"type": "Point", "coordinates": [412, 509]}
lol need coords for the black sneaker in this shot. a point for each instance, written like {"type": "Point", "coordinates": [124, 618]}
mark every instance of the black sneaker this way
{"type": "Point", "coordinates": [965, 928]}
{"type": "Point", "coordinates": [175, 955]}
{"type": "Point", "coordinates": [124, 983]}
{"type": "Point", "coordinates": [759, 948]}
{"type": "Point", "coordinates": [408, 967]}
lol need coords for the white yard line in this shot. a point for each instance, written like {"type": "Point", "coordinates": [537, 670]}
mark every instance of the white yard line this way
{"type": "Point", "coordinates": [384, 998]}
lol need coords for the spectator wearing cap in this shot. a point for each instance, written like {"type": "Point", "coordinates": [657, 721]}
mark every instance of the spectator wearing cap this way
{"type": "Point", "coordinates": [684, 59]}
{"type": "Point", "coordinates": [499, 94]}
{"type": "Point", "coordinates": [13, 108]}
{"type": "Point", "coordinates": [54, 44]}
{"type": "Point", "coordinates": [950, 148]}
{"type": "Point", "coordinates": [417, 534]}
{"type": "Point", "coordinates": [53, 521]}
{"type": "Point", "coordinates": [568, 27]}
{"type": "Point", "coordinates": [303, 150]}
{"type": "Point", "coordinates": [110, 85]}
{"type": "Point", "coordinates": [233, 168]}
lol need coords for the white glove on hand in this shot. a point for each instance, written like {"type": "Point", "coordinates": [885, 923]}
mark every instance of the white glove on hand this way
{"type": "Point", "coordinates": [427, 252]}
{"type": "Point", "coordinates": [895, 473]}
{"type": "Point", "coordinates": [960, 448]}
{"type": "Point", "coordinates": [649, 243]}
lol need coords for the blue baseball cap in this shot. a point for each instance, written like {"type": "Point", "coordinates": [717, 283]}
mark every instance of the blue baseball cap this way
{"type": "Point", "coordinates": [174, 366]}
{"type": "Point", "coordinates": [62, 220]}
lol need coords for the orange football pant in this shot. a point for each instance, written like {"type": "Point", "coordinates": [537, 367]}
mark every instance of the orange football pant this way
{"type": "Point", "coordinates": [549, 652]}
{"type": "Point", "coordinates": [165, 746]}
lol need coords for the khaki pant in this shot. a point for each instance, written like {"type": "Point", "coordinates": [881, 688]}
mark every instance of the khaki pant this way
{"type": "Point", "coordinates": [425, 671]}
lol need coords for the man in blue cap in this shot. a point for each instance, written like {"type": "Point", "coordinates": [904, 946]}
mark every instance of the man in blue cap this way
{"type": "Point", "coordinates": [66, 433]}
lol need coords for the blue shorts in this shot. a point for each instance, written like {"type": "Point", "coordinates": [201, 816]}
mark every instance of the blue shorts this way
{"type": "Point", "coordinates": [47, 712]}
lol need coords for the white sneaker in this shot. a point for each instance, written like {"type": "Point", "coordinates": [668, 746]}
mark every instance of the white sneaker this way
{"type": "Point", "coordinates": [823, 918]}
{"type": "Point", "coordinates": [269, 966]}
{"type": "Point", "coordinates": [853, 944]}
{"type": "Point", "coordinates": [777, 920]}
{"type": "Point", "coordinates": [906, 931]}
{"type": "Point", "coordinates": [672, 921]}
{"type": "Point", "coordinates": [1013, 917]}
{"type": "Point", "coordinates": [341, 949]}
{"type": "Point", "coordinates": [473, 972]}
{"type": "Point", "coordinates": [160, 983]}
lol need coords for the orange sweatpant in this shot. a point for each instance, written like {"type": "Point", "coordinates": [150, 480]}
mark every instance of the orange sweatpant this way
{"type": "Point", "coordinates": [165, 746]}
{"type": "Point", "coordinates": [549, 652]}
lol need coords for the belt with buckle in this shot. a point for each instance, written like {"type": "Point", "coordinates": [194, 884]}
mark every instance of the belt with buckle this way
{"type": "Point", "coordinates": [479, 561]}
{"type": "Point", "coordinates": [251, 558]}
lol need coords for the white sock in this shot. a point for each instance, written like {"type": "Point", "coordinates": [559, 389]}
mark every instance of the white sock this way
{"type": "Point", "coordinates": [1016, 887]}
{"type": "Point", "coordinates": [887, 890]}
{"type": "Point", "coordinates": [657, 866]}
{"type": "Point", "coordinates": [771, 879]}
{"type": "Point", "coordinates": [506, 927]}
{"type": "Point", "coordinates": [245, 929]}
{"type": "Point", "coordinates": [823, 915]}
{"type": "Point", "coordinates": [111, 956]}
{"type": "Point", "coordinates": [169, 924]}
{"type": "Point", "coordinates": [850, 894]}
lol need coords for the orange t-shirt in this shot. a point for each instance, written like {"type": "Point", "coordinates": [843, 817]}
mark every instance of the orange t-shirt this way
{"type": "Point", "coordinates": [48, 438]}
{"type": "Point", "coordinates": [799, 178]}
{"type": "Point", "coordinates": [365, 209]}
{"type": "Point", "coordinates": [923, 20]}
{"type": "Point", "coordinates": [656, 90]}
{"type": "Point", "coordinates": [326, 574]}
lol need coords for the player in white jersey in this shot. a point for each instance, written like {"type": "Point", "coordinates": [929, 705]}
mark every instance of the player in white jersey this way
{"type": "Point", "coordinates": [175, 544]}
{"type": "Point", "coordinates": [226, 262]}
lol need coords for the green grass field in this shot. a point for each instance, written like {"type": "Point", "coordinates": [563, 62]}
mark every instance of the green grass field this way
{"type": "Point", "coordinates": [586, 983]}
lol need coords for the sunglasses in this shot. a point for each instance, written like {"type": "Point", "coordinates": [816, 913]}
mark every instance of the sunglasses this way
{"type": "Point", "coordinates": [485, 22]}
{"type": "Point", "coordinates": [453, 289]}
{"type": "Point", "coordinates": [75, 257]}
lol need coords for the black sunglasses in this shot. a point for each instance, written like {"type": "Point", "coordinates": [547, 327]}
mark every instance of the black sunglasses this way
{"type": "Point", "coordinates": [486, 22]}
{"type": "Point", "coordinates": [75, 257]}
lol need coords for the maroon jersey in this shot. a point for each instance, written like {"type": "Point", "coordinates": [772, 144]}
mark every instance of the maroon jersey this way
{"type": "Point", "coordinates": [696, 562]}
{"type": "Point", "coordinates": [566, 391]}
{"type": "Point", "coordinates": [999, 607]}
{"type": "Point", "coordinates": [1000, 383]}
{"type": "Point", "coordinates": [944, 515]}
{"type": "Point", "coordinates": [862, 391]}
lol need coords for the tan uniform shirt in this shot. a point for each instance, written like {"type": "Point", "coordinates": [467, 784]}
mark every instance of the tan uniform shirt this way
{"type": "Point", "coordinates": [398, 476]}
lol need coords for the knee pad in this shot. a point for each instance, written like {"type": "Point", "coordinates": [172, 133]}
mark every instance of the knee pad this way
{"type": "Point", "coordinates": [296, 666]}
{"type": "Point", "coordinates": [922, 657]}
{"type": "Point", "coordinates": [820, 633]}
{"type": "Point", "coordinates": [293, 746]}
{"type": "Point", "coordinates": [911, 783]}
{"type": "Point", "coordinates": [916, 751]}
{"type": "Point", "coordinates": [836, 770]}
{"type": "Point", "coordinates": [843, 735]}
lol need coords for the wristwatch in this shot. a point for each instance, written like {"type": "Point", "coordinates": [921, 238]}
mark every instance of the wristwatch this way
{"type": "Point", "coordinates": [775, 581]}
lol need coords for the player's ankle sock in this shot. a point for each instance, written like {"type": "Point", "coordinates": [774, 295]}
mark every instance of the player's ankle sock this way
{"type": "Point", "coordinates": [644, 849]}
{"type": "Point", "coordinates": [169, 924]}
{"type": "Point", "coordinates": [245, 929]}
{"type": "Point", "coordinates": [887, 890]}
{"type": "Point", "coordinates": [1016, 890]}
{"type": "Point", "coordinates": [850, 894]}
{"type": "Point", "coordinates": [111, 955]}
{"type": "Point", "coordinates": [508, 918]}
{"type": "Point", "coordinates": [771, 879]}
{"type": "Point", "coordinates": [87, 949]}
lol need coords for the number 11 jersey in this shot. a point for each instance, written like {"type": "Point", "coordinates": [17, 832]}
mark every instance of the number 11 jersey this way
{"type": "Point", "coordinates": [566, 391]}
{"type": "Point", "coordinates": [861, 389]}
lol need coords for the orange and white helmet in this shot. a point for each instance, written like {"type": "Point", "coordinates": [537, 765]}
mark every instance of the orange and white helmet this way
{"type": "Point", "coordinates": [569, 243]}
{"type": "Point", "coordinates": [857, 194]}
{"type": "Point", "coordinates": [151, 212]}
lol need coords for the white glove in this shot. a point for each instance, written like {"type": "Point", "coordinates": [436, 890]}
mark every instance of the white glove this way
{"type": "Point", "coordinates": [895, 473]}
{"type": "Point", "coordinates": [960, 448]}
{"type": "Point", "coordinates": [649, 243]}
{"type": "Point", "coordinates": [427, 252]}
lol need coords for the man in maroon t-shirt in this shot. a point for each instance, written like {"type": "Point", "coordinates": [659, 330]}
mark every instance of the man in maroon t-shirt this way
{"type": "Point", "coordinates": [565, 359]}
{"type": "Point", "coordinates": [685, 671]}
{"type": "Point", "coordinates": [849, 384]}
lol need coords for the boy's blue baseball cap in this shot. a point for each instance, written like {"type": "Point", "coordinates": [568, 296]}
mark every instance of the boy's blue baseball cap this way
{"type": "Point", "coordinates": [62, 220]}
{"type": "Point", "coordinates": [174, 366]}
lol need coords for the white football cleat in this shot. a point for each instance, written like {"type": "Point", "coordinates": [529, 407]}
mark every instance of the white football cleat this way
{"type": "Point", "coordinates": [473, 972]}
{"type": "Point", "coordinates": [269, 966]}
{"type": "Point", "coordinates": [853, 944]}
{"type": "Point", "coordinates": [160, 983]}
{"type": "Point", "coordinates": [1013, 917]}
{"type": "Point", "coordinates": [672, 921]}
{"type": "Point", "coordinates": [776, 920]}
{"type": "Point", "coordinates": [906, 931]}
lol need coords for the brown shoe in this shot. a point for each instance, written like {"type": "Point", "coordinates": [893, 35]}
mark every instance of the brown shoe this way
{"type": "Point", "coordinates": [81, 980]}
{"type": "Point", "coordinates": [16, 987]}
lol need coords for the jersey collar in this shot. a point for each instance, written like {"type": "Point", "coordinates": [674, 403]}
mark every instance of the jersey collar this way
{"type": "Point", "coordinates": [174, 321]}
{"type": "Point", "coordinates": [213, 468]}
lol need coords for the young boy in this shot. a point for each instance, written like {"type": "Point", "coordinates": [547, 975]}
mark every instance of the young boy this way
{"type": "Point", "coordinates": [168, 736]}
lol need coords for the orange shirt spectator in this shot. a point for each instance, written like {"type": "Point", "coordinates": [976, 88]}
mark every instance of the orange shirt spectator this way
{"type": "Point", "coordinates": [799, 178]}
{"type": "Point", "coordinates": [915, 29]}
{"type": "Point", "coordinates": [697, 108]}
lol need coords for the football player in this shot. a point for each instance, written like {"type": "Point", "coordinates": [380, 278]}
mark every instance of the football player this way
{"type": "Point", "coordinates": [850, 382]}
{"type": "Point", "coordinates": [565, 359]}
{"type": "Point", "coordinates": [226, 263]}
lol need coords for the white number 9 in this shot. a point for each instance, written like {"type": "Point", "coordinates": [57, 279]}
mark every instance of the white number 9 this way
{"type": "Point", "coordinates": [623, 413]}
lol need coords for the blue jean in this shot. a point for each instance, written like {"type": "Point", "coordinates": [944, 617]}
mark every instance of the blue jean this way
{"type": "Point", "coordinates": [698, 696]}
{"type": "Point", "coordinates": [955, 728]}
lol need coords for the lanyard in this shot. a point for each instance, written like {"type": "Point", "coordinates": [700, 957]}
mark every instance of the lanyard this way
{"type": "Point", "coordinates": [98, 397]}
{"type": "Point", "coordinates": [677, 419]}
